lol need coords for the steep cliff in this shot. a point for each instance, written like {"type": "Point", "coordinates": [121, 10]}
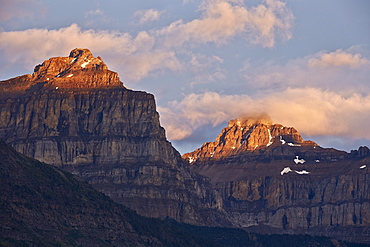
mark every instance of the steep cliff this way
{"type": "Point", "coordinates": [272, 180]}
{"type": "Point", "coordinates": [74, 113]}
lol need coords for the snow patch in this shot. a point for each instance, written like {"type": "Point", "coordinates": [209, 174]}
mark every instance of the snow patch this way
{"type": "Point", "coordinates": [56, 88]}
{"type": "Point", "coordinates": [362, 167]}
{"type": "Point", "coordinates": [70, 75]}
{"type": "Point", "coordinates": [85, 63]}
{"type": "Point", "coordinates": [317, 161]}
{"type": "Point", "coordinates": [192, 159]}
{"type": "Point", "coordinates": [299, 161]}
{"type": "Point", "coordinates": [270, 141]}
{"type": "Point", "coordinates": [212, 154]}
{"type": "Point", "coordinates": [282, 140]}
{"type": "Point", "coordinates": [285, 170]}
{"type": "Point", "coordinates": [47, 79]}
{"type": "Point", "coordinates": [302, 172]}
{"type": "Point", "coordinates": [293, 145]}
{"type": "Point", "coordinates": [74, 60]}
{"type": "Point", "coordinates": [233, 147]}
{"type": "Point", "coordinates": [255, 147]}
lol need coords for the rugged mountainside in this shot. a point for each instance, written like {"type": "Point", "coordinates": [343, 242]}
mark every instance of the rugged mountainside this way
{"type": "Point", "coordinates": [41, 205]}
{"type": "Point", "coordinates": [273, 181]}
{"type": "Point", "coordinates": [44, 206]}
{"type": "Point", "coordinates": [74, 113]}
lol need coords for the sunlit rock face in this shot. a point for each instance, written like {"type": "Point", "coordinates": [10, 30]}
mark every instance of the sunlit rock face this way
{"type": "Point", "coordinates": [79, 70]}
{"type": "Point", "coordinates": [74, 113]}
{"type": "Point", "coordinates": [249, 135]}
{"type": "Point", "coordinates": [271, 180]}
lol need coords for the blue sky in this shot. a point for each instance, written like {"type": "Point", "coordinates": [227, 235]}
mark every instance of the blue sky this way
{"type": "Point", "coordinates": [306, 63]}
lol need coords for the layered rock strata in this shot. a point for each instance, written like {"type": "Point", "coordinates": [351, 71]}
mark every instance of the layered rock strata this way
{"type": "Point", "coordinates": [272, 180]}
{"type": "Point", "coordinates": [74, 113]}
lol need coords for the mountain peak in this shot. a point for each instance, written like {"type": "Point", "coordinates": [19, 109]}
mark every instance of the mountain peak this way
{"type": "Point", "coordinates": [79, 70]}
{"type": "Point", "coordinates": [251, 134]}
{"type": "Point", "coordinates": [79, 61]}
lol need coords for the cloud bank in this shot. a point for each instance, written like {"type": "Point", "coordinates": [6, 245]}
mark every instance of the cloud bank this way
{"type": "Point", "coordinates": [312, 111]}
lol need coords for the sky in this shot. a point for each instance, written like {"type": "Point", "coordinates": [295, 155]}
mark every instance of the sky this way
{"type": "Point", "coordinates": [305, 63]}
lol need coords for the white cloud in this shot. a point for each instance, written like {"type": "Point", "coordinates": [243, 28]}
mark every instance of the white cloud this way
{"type": "Point", "coordinates": [223, 20]}
{"type": "Point", "coordinates": [135, 57]}
{"type": "Point", "coordinates": [312, 111]}
{"type": "Point", "coordinates": [339, 58]}
{"type": "Point", "coordinates": [95, 12]}
{"type": "Point", "coordinates": [148, 15]}
{"type": "Point", "coordinates": [348, 71]}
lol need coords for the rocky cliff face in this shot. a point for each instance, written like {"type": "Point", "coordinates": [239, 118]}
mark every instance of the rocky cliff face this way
{"type": "Point", "coordinates": [273, 181]}
{"type": "Point", "coordinates": [74, 113]}
{"type": "Point", "coordinates": [252, 135]}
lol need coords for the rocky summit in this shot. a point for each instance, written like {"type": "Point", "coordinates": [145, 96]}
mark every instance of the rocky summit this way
{"type": "Point", "coordinates": [79, 70]}
{"type": "Point", "coordinates": [271, 180]}
{"type": "Point", "coordinates": [75, 114]}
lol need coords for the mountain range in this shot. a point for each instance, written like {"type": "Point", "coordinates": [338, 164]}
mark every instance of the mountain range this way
{"type": "Point", "coordinates": [76, 114]}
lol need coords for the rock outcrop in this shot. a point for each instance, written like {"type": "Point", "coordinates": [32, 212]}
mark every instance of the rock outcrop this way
{"type": "Point", "coordinates": [75, 114]}
{"type": "Point", "coordinates": [271, 180]}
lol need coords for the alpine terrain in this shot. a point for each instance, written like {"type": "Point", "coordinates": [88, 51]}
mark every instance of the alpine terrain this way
{"type": "Point", "coordinates": [271, 180]}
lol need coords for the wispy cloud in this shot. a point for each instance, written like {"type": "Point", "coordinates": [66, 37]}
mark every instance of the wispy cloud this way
{"type": "Point", "coordinates": [148, 15]}
{"type": "Point", "coordinates": [223, 20]}
{"type": "Point", "coordinates": [95, 12]}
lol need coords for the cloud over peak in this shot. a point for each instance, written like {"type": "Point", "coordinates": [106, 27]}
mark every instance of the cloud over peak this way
{"type": "Point", "coordinates": [312, 111]}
